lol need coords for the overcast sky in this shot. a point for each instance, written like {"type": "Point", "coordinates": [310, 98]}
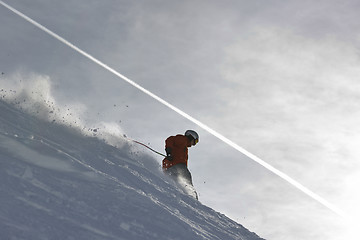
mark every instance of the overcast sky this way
{"type": "Point", "coordinates": [279, 78]}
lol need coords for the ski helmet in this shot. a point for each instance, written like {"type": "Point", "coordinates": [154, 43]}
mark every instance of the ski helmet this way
{"type": "Point", "coordinates": [192, 134]}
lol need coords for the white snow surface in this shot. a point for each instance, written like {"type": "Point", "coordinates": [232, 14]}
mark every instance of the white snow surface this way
{"type": "Point", "coordinates": [58, 183]}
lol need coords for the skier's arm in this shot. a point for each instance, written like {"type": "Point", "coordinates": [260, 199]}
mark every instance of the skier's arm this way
{"type": "Point", "coordinates": [168, 151]}
{"type": "Point", "coordinates": [169, 144]}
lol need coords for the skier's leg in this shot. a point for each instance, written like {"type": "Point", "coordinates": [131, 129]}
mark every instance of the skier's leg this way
{"type": "Point", "coordinates": [186, 179]}
{"type": "Point", "coordinates": [182, 176]}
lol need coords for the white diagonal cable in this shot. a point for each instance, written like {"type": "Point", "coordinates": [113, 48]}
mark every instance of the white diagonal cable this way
{"type": "Point", "coordinates": [185, 115]}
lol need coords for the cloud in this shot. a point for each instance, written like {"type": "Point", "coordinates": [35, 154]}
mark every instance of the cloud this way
{"type": "Point", "coordinates": [300, 97]}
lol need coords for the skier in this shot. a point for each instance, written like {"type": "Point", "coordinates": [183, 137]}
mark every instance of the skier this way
{"type": "Point", "coordinates": [176, 160]}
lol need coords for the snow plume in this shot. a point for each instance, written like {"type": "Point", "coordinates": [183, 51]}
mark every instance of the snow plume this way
{"type": "Point", "coordinates": [31, 92]}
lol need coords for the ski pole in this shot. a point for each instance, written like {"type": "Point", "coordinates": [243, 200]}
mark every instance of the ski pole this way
{"type": "Point", "coordinates": [149, 148]}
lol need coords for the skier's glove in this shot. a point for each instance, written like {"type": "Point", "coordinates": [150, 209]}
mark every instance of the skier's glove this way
{"type": "Point", "coordinates": [168, 154]}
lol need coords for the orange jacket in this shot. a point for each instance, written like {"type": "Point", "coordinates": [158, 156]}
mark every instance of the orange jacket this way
{"type": "Point", "coordinates": [179, 150]}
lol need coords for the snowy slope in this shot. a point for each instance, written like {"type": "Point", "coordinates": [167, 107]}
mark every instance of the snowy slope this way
{"type": "Point", "coordinates": [58, 183]}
